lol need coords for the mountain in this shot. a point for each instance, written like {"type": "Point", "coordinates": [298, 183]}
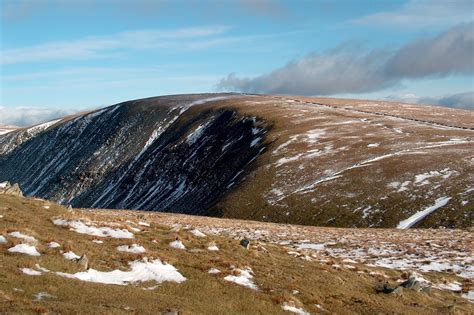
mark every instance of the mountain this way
{"type": "Point", "coordinates": [6, 129]}
{"type": "Point", "coordinates": [313, 161]}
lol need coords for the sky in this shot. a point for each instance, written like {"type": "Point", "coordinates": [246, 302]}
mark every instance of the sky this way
{"type": "Point", "coordinates": [62, 56]}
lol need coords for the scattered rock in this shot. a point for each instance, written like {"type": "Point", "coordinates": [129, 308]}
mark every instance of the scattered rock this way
{"type": "Point", "coordinates": [426, 289]}
{"type": "Point", "coordinates": [9, 189]}
{"type": "Point", "coordinates": [411, 283]}
{"type": "Point", "coordinates": [84, 262]}
{"type": "Point", "coordinates": [245, 243]}
{"type": "Point", "coordinates": [176, 228]}
{"type": "Point", "coordinates": [384, 288]}
{"type": "Point", "coordinates": [398, 291]}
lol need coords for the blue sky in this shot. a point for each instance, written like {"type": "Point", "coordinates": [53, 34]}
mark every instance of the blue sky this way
{"type": "Point", "coordinates": [62, 56]}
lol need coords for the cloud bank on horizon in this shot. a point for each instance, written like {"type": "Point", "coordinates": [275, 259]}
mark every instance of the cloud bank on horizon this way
{"type": "Point", "coordinates": [348, 70]}
{"type": "Point", "coordinates": [29, 116]}
{"type": "Point", "coordinates": [92, 53]}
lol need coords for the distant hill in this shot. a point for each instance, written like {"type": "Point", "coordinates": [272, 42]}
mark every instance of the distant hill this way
{"type": "Point", "coordinates": [6, 129]}
{"type": "Point", "coordinates": [312, 161]}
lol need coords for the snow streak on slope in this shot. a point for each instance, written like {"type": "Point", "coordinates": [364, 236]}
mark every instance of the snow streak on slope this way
{"type": "Point", "coordinates": [408, 223]}
{"type": "Point", "coordinates": [12, 138]}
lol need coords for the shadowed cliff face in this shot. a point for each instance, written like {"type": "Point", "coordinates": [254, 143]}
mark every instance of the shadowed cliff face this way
{"type": "Point", "coordinates": [168, 154]}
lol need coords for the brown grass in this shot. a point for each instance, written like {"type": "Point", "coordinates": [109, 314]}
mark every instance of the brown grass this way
{"type": "Point", "coordinates": [277, 274]}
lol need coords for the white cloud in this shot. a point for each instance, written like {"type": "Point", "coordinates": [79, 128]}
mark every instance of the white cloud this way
{"type": "Point", "coordinates": [28, 116]}
{"type": "Point", "coordinates": [459, 100]}
{"type": "Point", "coordinates": [102, 46]}
{"type": "Point", "coordinates": [420, 13]}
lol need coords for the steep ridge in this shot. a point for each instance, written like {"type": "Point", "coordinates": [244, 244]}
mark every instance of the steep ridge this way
{"type": "Point", "coordinates": [148, 154]}
{"type": "Point", "coordinates": [311, 161]}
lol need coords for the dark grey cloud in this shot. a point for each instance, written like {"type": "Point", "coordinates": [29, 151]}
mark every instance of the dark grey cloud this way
{"type": "Point", "coordinates": [345, 70]}
{"type": "Point", "coordinates": [452, 52]}
{"type": "Point", "coordinates": [329, 73]}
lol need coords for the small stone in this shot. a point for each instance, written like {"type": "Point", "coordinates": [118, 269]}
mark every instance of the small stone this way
{"type": "Point", "coordinates": [170, 312]}
{"type": "Point", "coordinates": [84, 262]}
{"type": "Point", "coordinates": [245, 243]}
{"type": "Point", "coordinates": [426, 290]}
{"type": "Point", "coordinates": [398, 291]}
{"type": "Point", "coordinates": [410, 283]}
{"type": "Point", "coordinates": [417, 287]}
{"type": "Point", "coordinates": [383, 288]}
{"type": "Point", "coordinates": [176, 228]}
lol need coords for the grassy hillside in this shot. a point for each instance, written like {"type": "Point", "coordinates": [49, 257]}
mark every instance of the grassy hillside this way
{"type": "Point", "coordinates": [282, 277]}
{"type": "Point", "coordinates": [311, 161]}
{"type": "Point", "coordinates": [347, 163]}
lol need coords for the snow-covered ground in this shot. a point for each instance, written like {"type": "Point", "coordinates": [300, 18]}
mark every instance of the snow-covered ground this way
{"type": "Point", "coordinates": [293, 309]}
{"type": "Point", "coordinates": [242, 277]}
{"type": "Point", "coordinates": [177, 244]}
{"type": "Point", "coordinates": [140, 271]}
{"type": "Point", "coordinates": [92, 229]}
{"type": "Point", "coordinates": [24, 249]}
{"type": "Point", "coordinates": [26, 238]}
{"type": "Point", "coordinates": [134, 249]}
{"type": "Point", "coordinates": [70, 255]}
{"type": "Point", "coordinates": [420, 215]}
{"type": "Point", "coordinates": [420, 250]}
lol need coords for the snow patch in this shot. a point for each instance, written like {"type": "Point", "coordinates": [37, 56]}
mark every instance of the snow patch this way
{"type": "Point", "coordinates": [30, 272]}
{"type": "Point", "coordinates": [70, 255]}
{"type": "Point", "coordinates": [53, 245]}
{"type": "Point", "coordinates": [177, 244]}
{"type": "Point", "coordinates": [469, 296]}
{"type": "Point", "coordinates": [197, 233]}
{"type": "Point", "coordinates": [196, 134]}
{"type": "Point", "coordinates": [311, 246]}
{"type": "Point", "coordinates": [104, 231]}
{"type": "Point", "coordinates": [293, 309]}
{"type": "Point", "coordinates": [420, 215]}
{"type": "Point", "coordinates": [213, 248]}
{"type": "Point", "coordinates": [43, 295]}
{"type": "Point", "coordinates": [22, 236]}
{"type": "Point", "coordinates": [244, 278]}
{"type": "Point", "coordinates": [38, 128]}
{"type": "Point", "coordinates": [141, 271]}
{"type": "Point", "coordinates": [24, 249]}
{"type": "Point", "coordinates": [453, 286]}
{"type": "Point", "coordinates": [134, 248]}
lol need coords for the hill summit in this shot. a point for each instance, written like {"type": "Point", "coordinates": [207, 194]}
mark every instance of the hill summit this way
{"type": "Point", "coordinates": [313, 161]}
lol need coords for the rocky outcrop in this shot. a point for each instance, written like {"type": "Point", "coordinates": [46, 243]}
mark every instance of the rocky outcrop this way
{"type": "Point", "coordinates": [8, 189]}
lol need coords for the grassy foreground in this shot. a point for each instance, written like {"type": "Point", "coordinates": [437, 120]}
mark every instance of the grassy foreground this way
{"type": "Point", "coordinates": [282, 279]}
